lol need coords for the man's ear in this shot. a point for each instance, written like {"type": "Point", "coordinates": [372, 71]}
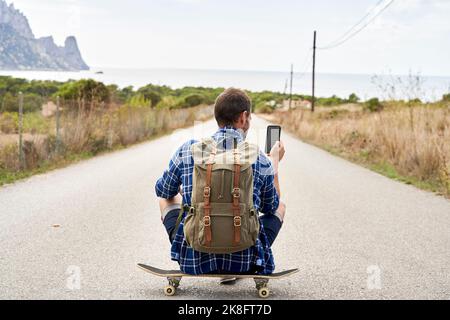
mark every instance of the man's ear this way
{"type": "Point", "coordinates": [243, 118]}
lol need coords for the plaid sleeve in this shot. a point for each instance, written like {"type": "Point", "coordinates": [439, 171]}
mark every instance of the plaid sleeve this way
{"type": "Point", "coordinates": [169, 184]}
{"type": "Point", "coordinates": [269, 196]}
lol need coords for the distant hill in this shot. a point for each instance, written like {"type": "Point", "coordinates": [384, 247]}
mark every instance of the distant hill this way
{"type": "Point", "coordinates": [20, 50]}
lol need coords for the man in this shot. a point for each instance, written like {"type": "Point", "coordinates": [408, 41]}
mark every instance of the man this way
{"type": "Point", "coordinates": [232, 113]}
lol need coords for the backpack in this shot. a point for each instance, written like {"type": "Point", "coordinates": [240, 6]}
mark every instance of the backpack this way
{"type": "Point", "coordinates": [222, 218]}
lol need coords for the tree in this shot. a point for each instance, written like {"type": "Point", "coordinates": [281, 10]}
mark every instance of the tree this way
{"type": "Point", "coordinates": [353, 98]}
{"type": "Point", "coordinates": [89, 91]}
{"type": "Point", "coordinates": [150, 93]}
{"type": "Point", "coordinates": [373, 105]}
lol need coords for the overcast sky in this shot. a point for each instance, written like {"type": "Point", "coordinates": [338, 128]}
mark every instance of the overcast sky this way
{"type": "Point", "coordinates": [249, 34]}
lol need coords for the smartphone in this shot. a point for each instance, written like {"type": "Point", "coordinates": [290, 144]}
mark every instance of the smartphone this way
{"type": "Point", "coordinates": [273, 135]}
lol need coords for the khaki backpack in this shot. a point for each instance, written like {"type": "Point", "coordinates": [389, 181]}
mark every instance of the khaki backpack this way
{"type": "Point", "coordinates": [222, 218]}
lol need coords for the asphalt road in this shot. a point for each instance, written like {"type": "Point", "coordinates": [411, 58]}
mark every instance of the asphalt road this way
{"type": "Point", "coordinates": [353, 233]}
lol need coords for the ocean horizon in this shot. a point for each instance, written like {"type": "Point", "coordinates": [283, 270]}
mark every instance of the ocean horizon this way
{"type": "Point", "coordinates": [431, 88]}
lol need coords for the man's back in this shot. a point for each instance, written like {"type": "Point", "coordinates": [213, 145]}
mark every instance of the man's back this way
{"type": "Point", "coordinates": [265, 199]}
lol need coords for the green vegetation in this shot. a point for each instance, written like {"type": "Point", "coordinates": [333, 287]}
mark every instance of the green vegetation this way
{"type": "Point", "coordinates": [94, 118]}
{"type": "Point", "coordinates": [373, 105]}
{"type": "Point", "coordinates": [446, 97]}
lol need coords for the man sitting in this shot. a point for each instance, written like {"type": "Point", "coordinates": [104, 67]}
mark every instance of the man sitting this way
{"type": "Point", "coordinates": [233, 115]}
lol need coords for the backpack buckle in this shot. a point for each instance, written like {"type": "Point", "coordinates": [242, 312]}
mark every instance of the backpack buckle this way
{"type": "Point", "coordinates": [236, 192]}
{"type": "Point", "coordinates": [207, 192]}
{"type": "Point", "coordinates": [237, 221]}
{"type": "Point", "coordinates": [207, 221]}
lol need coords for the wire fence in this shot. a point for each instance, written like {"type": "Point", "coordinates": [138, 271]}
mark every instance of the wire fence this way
{"type": "Point", "coordinates": [64, 128]}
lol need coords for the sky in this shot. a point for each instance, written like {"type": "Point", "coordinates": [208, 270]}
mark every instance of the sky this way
{"type": "Point", "coordinates": [410, 36]}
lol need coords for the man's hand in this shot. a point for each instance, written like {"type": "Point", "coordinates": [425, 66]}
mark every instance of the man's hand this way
{"type": "Point", "coordinates": [277, 154]}
{"type": "Point", "coordinates": [277, 151]}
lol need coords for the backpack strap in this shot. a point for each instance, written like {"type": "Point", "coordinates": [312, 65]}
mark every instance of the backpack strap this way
{"type": "Point", "coordinates": [207, 197]}
{"type": "Point", "coordinates": [236, 196]}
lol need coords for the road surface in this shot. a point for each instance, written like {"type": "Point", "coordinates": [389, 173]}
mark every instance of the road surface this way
{"type": "Point", "coordinates": [353, 233]}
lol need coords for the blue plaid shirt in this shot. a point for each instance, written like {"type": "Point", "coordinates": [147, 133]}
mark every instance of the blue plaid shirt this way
{"type": "Point", "coordinates": [258, 258]}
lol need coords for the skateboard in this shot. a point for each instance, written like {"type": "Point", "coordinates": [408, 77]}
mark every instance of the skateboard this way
{"type": "Point", "coordinates": [174, 277]}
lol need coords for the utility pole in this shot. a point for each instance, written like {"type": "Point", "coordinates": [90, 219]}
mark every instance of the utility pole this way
{"type": "Point", "coordinates": [314, 74]}
{"type": "Point", "coordinates": [290, 92]}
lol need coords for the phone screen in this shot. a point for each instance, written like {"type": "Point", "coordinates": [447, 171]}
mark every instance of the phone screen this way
{"type": "Point", "coordinates": [273, 135]}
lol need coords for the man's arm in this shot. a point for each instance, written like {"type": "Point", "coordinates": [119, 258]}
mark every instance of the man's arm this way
{"type": "Point", "coordinates": [276, 155]}
{"type": "Point", "coordinates": [270, 187]}
{"type": "Point", "coordinates": [168, 186]}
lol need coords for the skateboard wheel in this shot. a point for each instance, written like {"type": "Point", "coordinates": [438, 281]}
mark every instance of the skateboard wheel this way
{"type": "Point", "coordinates": [264, 292]}
{"type": "Point", "coordinates": [169, 291]}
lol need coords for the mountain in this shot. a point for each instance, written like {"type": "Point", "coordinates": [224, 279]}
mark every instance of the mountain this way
{"type": "Point", "coordinates": [20, 50]}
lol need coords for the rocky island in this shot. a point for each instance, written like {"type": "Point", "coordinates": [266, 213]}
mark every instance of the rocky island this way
{"type": "Point", "coordinates": [20, 50]}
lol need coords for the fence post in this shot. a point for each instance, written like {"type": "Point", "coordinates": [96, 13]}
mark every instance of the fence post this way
{"type": "Point", "coordinates": [58, 138]}
{"type": "Point", "coordinates": [290, 90]}
{"type": "Point", "coordinates": [21, 155]}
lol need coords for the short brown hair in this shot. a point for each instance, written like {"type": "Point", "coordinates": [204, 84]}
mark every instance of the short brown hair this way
{"type": "Point", "coordinates": [229, 105]}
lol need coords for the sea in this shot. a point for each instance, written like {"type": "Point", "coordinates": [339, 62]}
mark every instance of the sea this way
{"type": "Point", "coordinates": [365, 86]}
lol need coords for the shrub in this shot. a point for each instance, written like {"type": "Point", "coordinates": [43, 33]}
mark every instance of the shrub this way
{"type": "Point", "coordinates": [194, 100]}
{"type": "Point", "coordinates": [373, 105]}
{"type": "Point", "coordinates": [87, 89]}
{"type": "Point", "coordinates": [151, 93]}
{"type": "Point", "coordinates": [263, 107]}
{"type": "Point", "coordinates": [139, 100]}
{"type": "Point", "coordinates": [446, 97]}
{"type": "Point", "coordinates": [35, 123]}
{"type": "Point", "coordinates": [353, 98]}
{"type": "Point", "coordinates": [9, 122]}
{"type": "Point", "coordinates": [332, 101]}
{"type": "Point", "coordinates": [168, 102]}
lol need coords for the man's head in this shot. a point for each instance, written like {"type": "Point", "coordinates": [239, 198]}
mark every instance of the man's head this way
{"type": "Point", "coordinates": [233, 108]}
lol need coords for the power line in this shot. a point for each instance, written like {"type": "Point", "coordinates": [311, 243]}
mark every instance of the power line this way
{"type": "Point", "coordinates": [307, 67]}
{"type": "Point", "coordinates": [304, 66]}
{"type": "Point", "coordinates": [341, 40]}
{"type": "Point", "coordinates": [358, 23]}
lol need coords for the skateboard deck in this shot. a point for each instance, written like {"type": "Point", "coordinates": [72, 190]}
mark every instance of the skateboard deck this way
{"type": "Point", "coordinates": [178, 273]}
{"type": "Point", "coordinates": [174, 277]}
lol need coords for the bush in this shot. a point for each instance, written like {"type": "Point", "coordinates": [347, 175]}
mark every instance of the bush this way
{"type": "Point", "coordinates": [168, 102]}
{"type": "Point", "coordinates": [446, 97]}
{"type": "Point", "coordinates": [194, 100]}
{"type": "Point", "coordinates": [332, 101]}
{"type": "Point", "coordinates": [263, 107]}
{"type": "Point", "coordinates": [35, 123]}
{"type": "Point", "coordinates": [88, 90]}
{"type": "Point", "coordinates": [9, 122]}
{"type": "Point", "coordinates": [152, 93]}
{"type": "Point", "coordinates": [32, 103]}
{"type": "Point", "coordinates": [139, 100]}
{"type": "Point", "coordinates": [9, 103]}
{"type": "Point", "coordinates": [373, 105]}
{"type": "Point", "coordinates": [191, 100]}
{"type": "Point", "coordinates": [353, 98]}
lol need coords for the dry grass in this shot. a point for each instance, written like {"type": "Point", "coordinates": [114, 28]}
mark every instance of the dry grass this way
{"type": "Point", "coordinates": [408, 143]}
{"type": "Point", "coordinates": [86, 133]}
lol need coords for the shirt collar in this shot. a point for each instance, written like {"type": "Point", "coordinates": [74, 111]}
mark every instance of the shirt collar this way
{"type": "Point", "coordinates": [227, 135]}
